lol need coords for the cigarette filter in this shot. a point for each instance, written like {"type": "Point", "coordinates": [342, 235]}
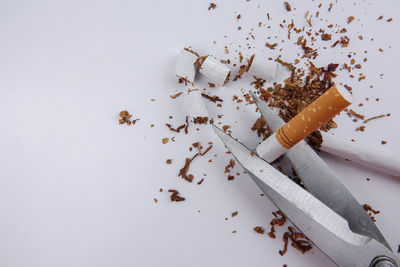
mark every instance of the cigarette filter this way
{"type": "Point", "coordinates": [360, 152]}
{"type": "Point", "coordinates": [214, 71]}
{"type": "Point", "coordinates": [263, 68]}
{"type": "Point", "coordinates": [324, 108]}
{"type": "Point", "coordinates": [185, 68]}
{"type": "Point", "coordinates": [194, 103]}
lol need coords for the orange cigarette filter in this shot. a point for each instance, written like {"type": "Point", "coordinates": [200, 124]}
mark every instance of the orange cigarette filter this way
{"type": "Point", "coordinates": [324, 108]}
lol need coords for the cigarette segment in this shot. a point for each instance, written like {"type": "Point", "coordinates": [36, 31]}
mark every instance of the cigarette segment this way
{"type": "Point", "coordinates": [185, 68]}
{"type": "Point", "coordinates": [311, 118]}
{"type": "Point", "coordinates": [194, 103]}
{"type": "Point", "coordinates": [262, 67]}
{"type": "Point", "coordinates": [214, 71]}
{"type": "Point", "coordinates": [363, 153]}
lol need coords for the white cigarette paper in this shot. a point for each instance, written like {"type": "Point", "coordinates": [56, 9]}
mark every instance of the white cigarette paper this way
{"type": "Point", "coordinates": [214, 71]}
{"type": "Point", "coordinates": [194, 103]}
{"type": "Point", "coordinates": [363, 153]}
{"type": "Point", "coordinates": [185, 68]}
{"type": "Point", "coordinates": [262, 67]}
{"type": "Point", "coordinates": [270, 149]}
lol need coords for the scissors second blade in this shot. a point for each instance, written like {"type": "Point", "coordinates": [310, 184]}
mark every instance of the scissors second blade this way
{"type": "Point", "coordinates": [320, 180]}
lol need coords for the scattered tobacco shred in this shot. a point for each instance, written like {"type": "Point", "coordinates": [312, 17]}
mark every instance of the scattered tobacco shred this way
{"type": "Point", "coordinates": [358, 115]}
{"type": "Point", "coordinates": [271, 233]}
{"type": "Point", "coordinates": [279, 220]}
{"type": "Point", "coordinates": [212, 6]}
{"type": "Point", "coordinates": [309, 21]}
{"type": "Point", "coordinates": [231, 177]}
{"type": "Point", "coordinates": [383, 142]}
{"type": "Point", "coordinates": [229, 167]}
{"type": "Point", "coordinates": [308, 51]}
{"type": "Point", "coordinates": [298, 239]}
{"type": "Point", "coordinates": [258, 82]}
{"type": "Point", "coordinates": [271, 46]}
{"type": "Point", "coordinates": [350, 19]}
{"type": "Point", "coordinates": [205, 151]}
{"type": "Point", "coordinates": [330, 7]}
{"type": "Point", "coordinates": [183, 172]}
{"type": "Point", "coordinates": [201, 181]}
{"type": "Point", "coordinates": [213, 99]}
{"type": "Point", "coordinates": [177, 130]}
{"type": "Point", "coordinates": [169, 161]}
{"type": "Point", "coordinates": [259, 230]}
{"type": "Point", "coordinates": [235, 213]}
{"type": "Point", "coordinates": [155, 200]}
{"type": "Point", "coordinates": [126, 118]}
{"type": "Point", "coordinates": [187, 124]}
{"type": "Point", "coordinates": [165, 140]}
{"type": "Point", "coordinates": [211, 85]}
{"type": "Point", "coordinates": [344, 41]}
{"type": "Point", "coordinates": [175, 196]}
{"type": "Point", "coordinates": [175, 95]}
{"type": "Point", "coordinates": [374, 118]}
{"type": "Point", "coordinates": [287, 6]}
{"type": "Point", "coordinates": [371, 211]}
{"type": "Point", "coordinates": [200, 120]}
{"type": "Point", "coordinates": [183, 80]}
{"type": "Point", "coordinates": [315, 139]}
{"type": "Point", "coordinates": [326, 36]}
{"type": "Point", "coordinates": [290, 66]}
{"type": "Point", "coordinates": [262, 128]}
{"type": "Point", "coordinates": [361, 129]}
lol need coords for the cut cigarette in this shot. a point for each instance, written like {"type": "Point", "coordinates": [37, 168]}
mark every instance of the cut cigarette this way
{"type": "Point", "coordinates": [185, 68]}
{"type": "Point", "coordinates": [363, 153]}
{"type": "Point", "coordinates": [214, 71]}
{"type": "Point", "coordinates": [324, 108]}
{"type": "Point", "coordinates": [194, 103]}
{"type": "Point", "coordinates": [262, 67]}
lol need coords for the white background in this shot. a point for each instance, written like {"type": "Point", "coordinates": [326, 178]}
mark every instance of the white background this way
{"type": "Point", "coordinates": [77, 189]}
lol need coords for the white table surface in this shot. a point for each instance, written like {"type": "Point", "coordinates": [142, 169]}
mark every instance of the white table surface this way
{"type": "Point", "coordinates": [77, 188]}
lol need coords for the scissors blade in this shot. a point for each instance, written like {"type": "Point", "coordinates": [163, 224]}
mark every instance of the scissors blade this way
{"type": "Point", "coordinates": [322, 182]}
{"type": "Point", "coordinates": [325, 228]}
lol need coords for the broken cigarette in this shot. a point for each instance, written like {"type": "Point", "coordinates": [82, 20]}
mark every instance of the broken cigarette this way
{"type": "Point", "coordinates": [194, 103]}
{"type": "Point", "coordinates": [214, 71]}
{"type": "Point", "coordinates": [185, 68]}
{"type": "Point", "coordinates": [324, 108]}
{"type": "Point", "coordinates": [363, 153]}
{"type": "Point", "coordinates": [262, 68]}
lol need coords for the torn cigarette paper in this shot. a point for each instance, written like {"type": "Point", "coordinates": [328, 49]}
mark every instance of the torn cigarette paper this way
{"type": "Point", "coordinates": [194, 104]}
{"type": "Point", "coordinates": [363, 153]}
{"type": "Point", "coordinates": [215, 71]}
{"type": "Point", "coordinates": [185, 68]}
{"type": "Point", "coordinates": [263, 68]}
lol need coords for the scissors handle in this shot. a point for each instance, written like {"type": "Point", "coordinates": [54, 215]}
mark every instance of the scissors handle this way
{"type": "Point", "coordinates": [383, 261]}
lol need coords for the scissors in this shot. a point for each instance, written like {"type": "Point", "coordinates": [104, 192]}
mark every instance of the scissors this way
{"type": "Point", "coordinates": [327, 213]}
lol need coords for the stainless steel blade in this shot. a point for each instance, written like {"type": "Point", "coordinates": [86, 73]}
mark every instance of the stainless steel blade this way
{"type": "Point", "coordinates": [326, 229]}
{"type": "Point", "coordinates": [322, 182]}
